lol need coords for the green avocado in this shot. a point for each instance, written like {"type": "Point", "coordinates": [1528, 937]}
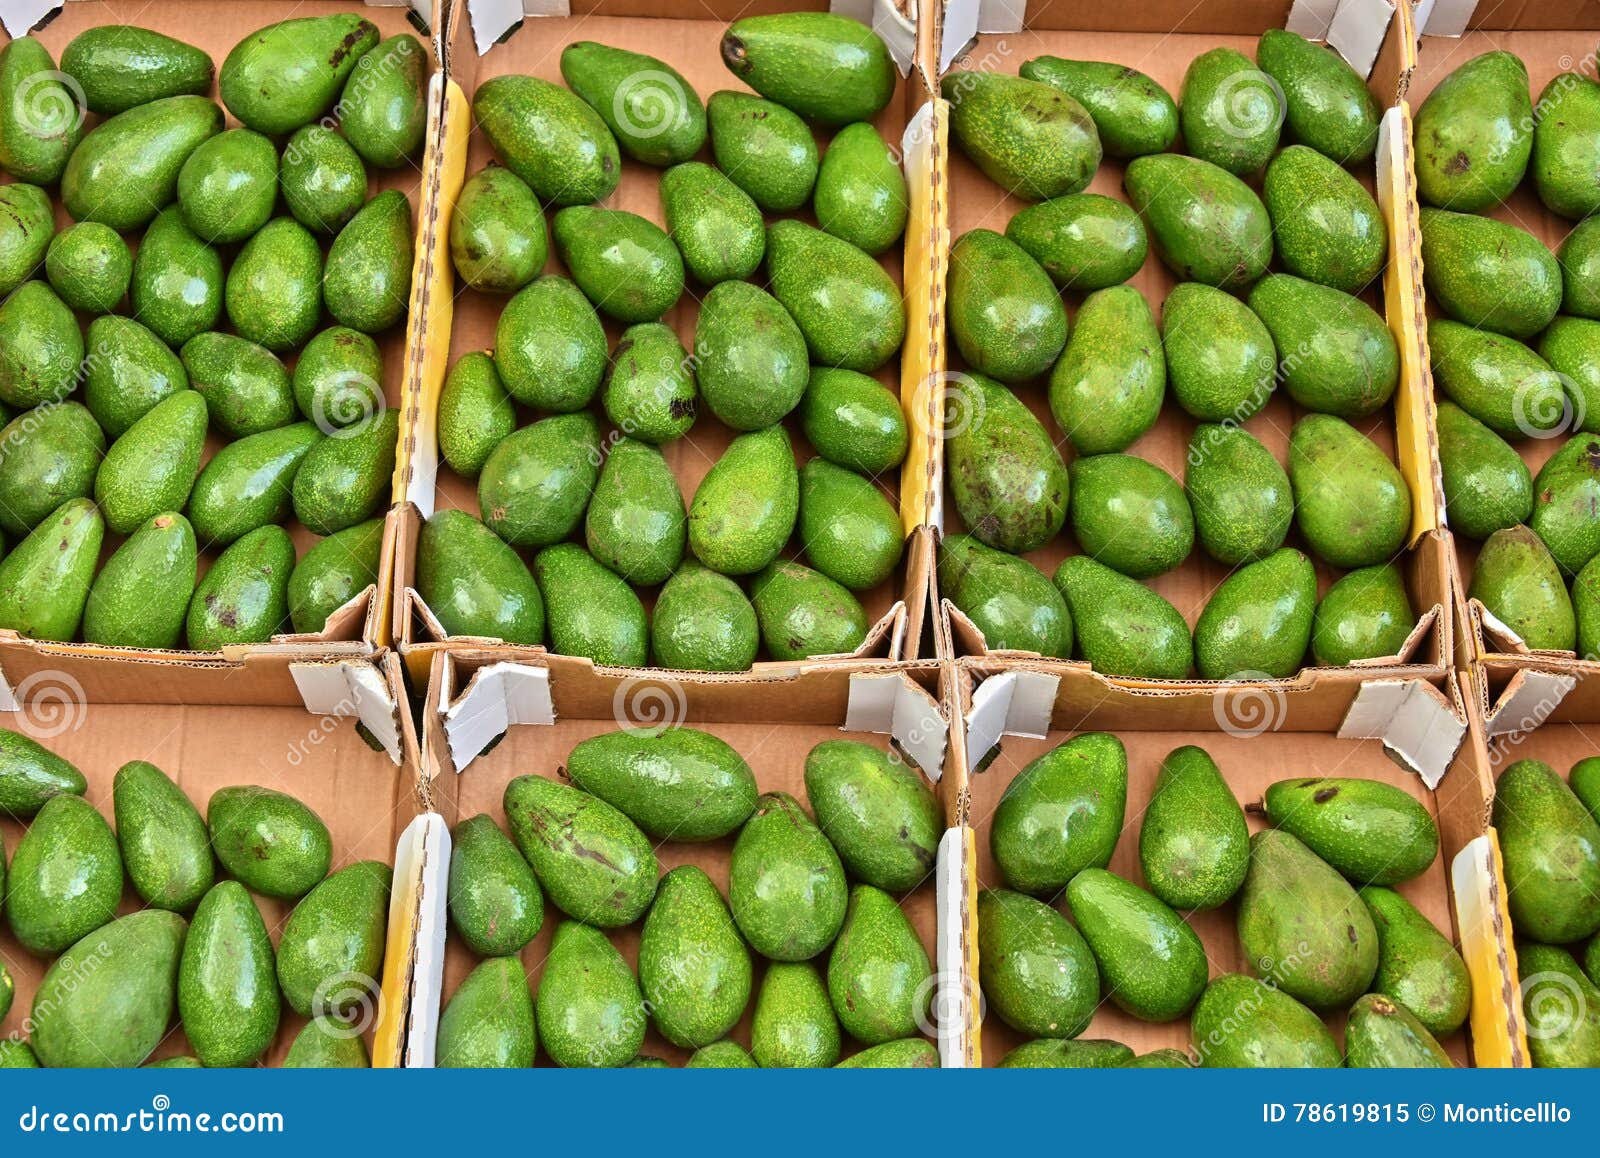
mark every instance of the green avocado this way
{"type": "Point", "coordinates": [1566, 120]}
{"type": "Point", "coordinates": [164, 841]}
{"type": "Point", "coordinates": [1550, 845]}
{"type": "Point", "coordinates": [1418, 967]}
{"type": "Point", "coordinates": [1498, 380]}
{"type": "Point", "coordinates": [474, 584]}
{"type": "Point", "coordinates": [1489, 275]}
{"type": "Point", "coordinates": [1327, 103]}
{"type": "Point", "coordinates": [1205, 224]}
{"type": "Point", "coordinates": [1572, 348]}
{"type": "Point", "coordinates": [125, 170]}
{"type": "Point", "coordinates": [65, 878]}
{"type": "Point", "coordinates": [1009, 483]}
{"type": "Point", "coordinates": [1084, 241]}
{"type": "Point", "coordinates": [27, 235]}
{"type": "Point", "coordinates": [592, 861]}
{"type": "Point", "coordinates": [1106, 389]}
{"type": "Point", "coordinates": [288, 74]}
{"type": "Point", "coordinates": [345, 478]}
{"type": "Point", "coordinates": [1132, 113]}
{"type": "Point", "coordinates": [649, 391]}
{"type": "Point", "coordinates": [367, 280]}
{"type": "Point", "coordinates": [877, 811]}
{"type": "Point", "coordinates": [41, 117]}
{"type": "Point", "coordinates": [590, 1010]}
{"type": "Point", "coordinates": [227, 983]}
{"type": "Point", "coordinates": [793, 1025]}
{"type": "Point", "coordinates": [1194, 847]}
{"type": "Point", "coordinates": [495, 904]}
{"type": "Point", "coordinates": [323, 180]}
{"type": "Point", "coordinates": [119, 66]}
{"type": "Point", "coordinates": [1383, 1034]}
{"type": "Point", "coordinates": [625, 264]}
{"type": "Point", "coordinates": [1230, 111]}
{"type": "Point", "coordinates": [338, 379]}
{"type": "Point", "coordinates": [247, 484]}
{"type": "Point", "coordinates": [1372, 832]}
{"type": "Point", "coordinates": [550, 347]}
{"type": "Point", "coordinates": [1366, 614]}
{"type": "Point", "coordinates": [764, 149]}
{"type": "Point", "coordinates": [713, 222]}
{"type": "Point", "coordinates": [330, 953]}
{"type": "Point", "coordinates": [655, 115]}
{"type": "Point", "coordinates": [750, 359]}
{"type": "Point", "coordinates": [1326, 227]}
{"type": "Point", "coordinates": [1351, 503]}
{"type": "Point", "coordinates": [674, 783]}
{"type": "Point", "coordinates": [334, 571]}
{"type": "Point", "coordinates": [498, 240]}
{"type": "Point", "coordinates": [489, 1022]}
{"type": "Point", "coordinates": [848, 308]}
{"type": "Point", "coordinates": [1008, 599]}
{"type": "Point", "coordinates": [1220, 359]}
{"type": "Point", "coordinates": [853, 421]}
{"type": "Point", "coordinates": [1474, 133]}
{"type": "Point", "coordinates": [1258, 622]}
{"type": "Point", "coordinates": [1566, 495]}
{"type": "Point", "coordinates": [803, 613]}
{"type": "Point", "coordinates": [1151, 963]}
{"type": "Point", "coordinates": [383, 110]}
{"type": "Point", "coordinates": [1487, 487]}
{"type": "Point", "coordinates": [87, 264]}
{"type": "Point", "coordinates": [1130, 515]}
{"type": "Point", "coordinates": [1004, 313]}
{"type": "Point", "coordinates": [243, 598]}
{"type": "Point", "coordinates": [786, 885]}
{"type": "Point", "coordinates": [176, 286]}
{"type": "Point", "coordinates": [1029, 138]}
{"type": "Point", "coordinates": [851, 532]}
{"type": "Point", "coordinates": [1061, 814]}
{"type": "Point", "coordinates": [694, 969]}
{"type": "Point", "coordinates": [703, 621]}
{"type": "Point", "coordinates": [1579, 258]}
{"type": "Point", "coordinates": [1240, 495]}
{"type": "Point", "coordinates": [1037, 972]}
{"type": "Point", "coordinates": [228, 186]}
{"type": "Point", "coordinates": [1336, 354]}
{"type": "Point", "coordinates": [860, 195]}
{"type": "Point", "coordinates": [47, 455]}
{"type": "Point", "coordinates": [274, 288]}
{"type": "Point", "coordinates": [132, 371]}
{"type": "Point", "coordinates": [41, 347]}
{"type": "Point", "coordinates": [828, 68]}
{"type": "Point", "coordinates": [636, 523]}
{"type": "Point", "coordinates": [30, 774]}
{"type": "Point", "coordinates": [550, 138]}
{"type": "Point", "coordinates": [1518, 581]}
{"type": "Point", "coordinates": [45, 580]}
{"type": "Point", "coordinates": [475, 413]}
{"type": "Point", "coordinates": [879, 977]}
{"type": "Point", "coordinates": [746, 505]}
{"type": "Point", "coordinates": [246, 387]}
{"type": "Point", "coordinates": [591, 611]}
{"type": "Point", "coordinates": [1123, 628]}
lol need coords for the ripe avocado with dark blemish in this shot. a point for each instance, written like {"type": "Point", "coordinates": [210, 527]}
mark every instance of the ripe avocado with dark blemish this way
{"type": "Point", "coordinates": [1132, 113]}
{"type": "Point", "coordinates": [1372, 832]}
{"type": "Point", "coordinates": [244, 597]}
{"type": "Point", "coordinates": [288, 74]}
{"type": "Point", "coordinates": [592, 861]}
{"type": "Point", "coordinates": [876, 810]}
{"type": "Point", "coordinates": [1009, 482]}
{"type": "Point", "coordinates": [268, 841]}
{"type": "Point", "coordinates": [1474, 134]}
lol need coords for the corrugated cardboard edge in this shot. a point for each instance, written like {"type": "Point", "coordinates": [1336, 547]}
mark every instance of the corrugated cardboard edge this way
{"type": "Point", "coordinates": [1483, 922]}
{"type": "Point", "coordinates": [960, 1010]}
{"type": "Point", "coordinates": [360, 689]}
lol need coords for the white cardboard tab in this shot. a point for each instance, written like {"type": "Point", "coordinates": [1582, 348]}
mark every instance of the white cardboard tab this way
{"type": "Point", "coordinates": [1357, 31]}
{"type": "Point", "coordinates": [423, 855]}
{"type": "Point", "coordinates": [1311, 18]}
{"type": "Point", "coordinates": [890, 703]}
{"type": "Point", "coordinates": [500, 695]}
{"type": "Point", "coordinates": [20, 15]}
{"type": "Point", "coordinates": [1413, 719]}
{"type": "Point", "coordinates": [1444, 17]}
{"type": "Point", "coordinates": [1013, 703]}
{"type": "Point", "coordinates": [1474, 884]}
{"type": "Point", "coordinates": [351, 689]}
{"type": "Point", "coordinates": [961, 19]}
{"type": "Point", "coordinates": [916, 132]}
{"type": "Point", "coordinates": [1532, 697]}
{"type": "Point", "coordinates": [1002, 15]}
{"type": "Point", "coordinates": [951, 998]}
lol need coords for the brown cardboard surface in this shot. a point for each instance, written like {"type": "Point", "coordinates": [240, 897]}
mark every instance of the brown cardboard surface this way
{"type": "Point", "coordinates": [1546, 54]}
{"type": "Point", "coordinates": [773, 728]}
{"type": "Point", "coordinates": [690, 46]}
{"type": "Point", "coordinates": [1249, 763]}
{"type": "Point", "coordinates": [217, 26]}
{"type": "Point", "coordinates": [977, 202]}
{"type": "Point", "coordinates": [359, 794]}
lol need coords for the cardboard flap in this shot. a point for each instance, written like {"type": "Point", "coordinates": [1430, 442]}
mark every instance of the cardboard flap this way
{"type": "Point", "coordinates": [957, 1009]}
{"type": "Point", "coordinates": [1012, 703]}
{"type": "Point", "coordinates": [1311, 18]}
{"type": "Point", "coordinates": [1499, 1037]}
{"type": "Point", "coordinates": [498, 696]}
{"type": "Point", "coordinates": [1529, 699]}
{"type": "Point", "coordinates": [351, 689]}
{"type": "Point", "coordinates": [425, 849]}
{"type": "Point", "coordinates": [898, 31]}
{"type": "Point", "coordinates": [1415, 721]}
{"type": "Point", "coordinates": [1357, 31]}
{"type": "Point", "coordinates": [892, 704]}
{"type": "Point", "coordinates": [1444, 17]}
{"type": "Point", "coordinates": [492, 19]}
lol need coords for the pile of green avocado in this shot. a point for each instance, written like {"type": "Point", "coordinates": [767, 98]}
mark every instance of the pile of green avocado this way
{"type": "Point", "coordinates": [817, 898]}
{"type": "Point", "coordinates": [1549, 832]}
{"type": "Point", "coordinates": [255, 243]}
{"type": "Point", "coordinates": [1230, 334]}
{"type": "Point", "coordinates": [198, 947]}
{"type": "Point", "coordinates": [590, 485]}
{"type": "Point", "coordinates": [1321, 926]}
{"type": "Point", "coordinates": [1516, 352]}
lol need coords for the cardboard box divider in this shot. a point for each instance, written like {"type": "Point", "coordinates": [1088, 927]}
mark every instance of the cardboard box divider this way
{"type": "Point", "coordinates": [1459, 892]}
{"type": "Point", "coordinates": [355, 634]}
{"type": "Point", "coordinates": [773, 720]}
{"type": "Point", "coordinates": [467, 318]}
{"type": "Point", "coordinates": [1550, 39]}
{"type": "Point", "coordinates": [1383, 46]}
{"type": "Point", "coordinates": [371, 813]}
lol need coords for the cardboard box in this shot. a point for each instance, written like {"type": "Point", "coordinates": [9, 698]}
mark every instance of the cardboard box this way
{"type": "Point", "coordinates": [1007, 713]}
{"type": "Point", "coordinates": [1412, 684]}
{"type": "Point", "coordinates": [1550, 39]}
{"type": "Point", "coordinates": [353, 636]}
{"type": "Point", "coordinates": [459, 320]}
{"type": "Point", "coordinates": [773, 720]}
{"type": "Point", "coordinates": [367, 804]}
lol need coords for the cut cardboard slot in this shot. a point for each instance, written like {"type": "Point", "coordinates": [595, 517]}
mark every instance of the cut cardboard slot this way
{"type": "Point", "coordinates": [1251, 754]}
{"type": "Point", "coordinates": [1379, 47]}
{"type": "Point", "coordinates": [773, 724]}
{"type": "Point", "coordinates": [355, 633]}
{"type": "Point", "coordinates": [688, 40]}
{"type": "Point", "coordinates": [368, 806]}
